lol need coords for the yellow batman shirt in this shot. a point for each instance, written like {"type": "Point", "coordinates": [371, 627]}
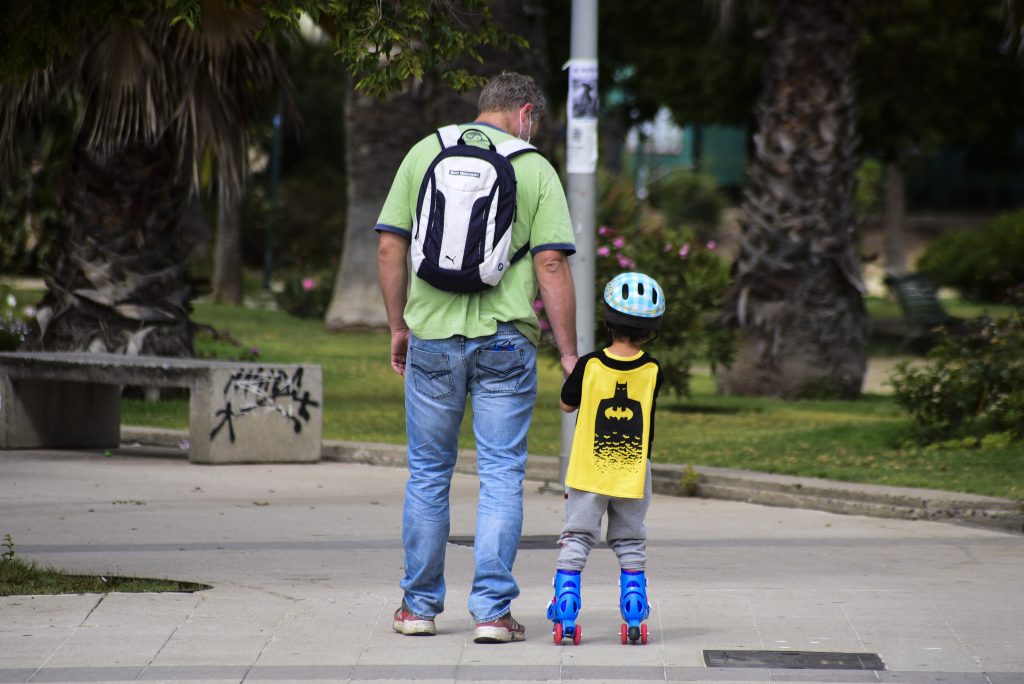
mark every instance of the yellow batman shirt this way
{"type": "Point", "coordinates": [616, 397]}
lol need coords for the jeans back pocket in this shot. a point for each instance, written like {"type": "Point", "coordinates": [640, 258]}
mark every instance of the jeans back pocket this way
{"type": "Point", "coordinates": [500, 372]}
{"type": "Point", "coordinates": [431, 374]}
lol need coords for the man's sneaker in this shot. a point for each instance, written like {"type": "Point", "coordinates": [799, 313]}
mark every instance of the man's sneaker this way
{"type": "Point", "coordinates": [499, 630]}
{"type": "Point", "coordinates": [411, 624]}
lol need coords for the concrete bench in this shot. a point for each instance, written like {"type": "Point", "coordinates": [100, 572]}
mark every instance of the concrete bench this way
{"type": "Point", "coordinates": [238, 412]}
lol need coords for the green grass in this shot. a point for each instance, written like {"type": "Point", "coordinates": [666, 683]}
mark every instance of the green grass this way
{"type": "Point", "coordinates": [20, 577]}
{"type": "Point", "coordinates": [887, 307]}
{"type": "Point", "coordinates": [858, 441]}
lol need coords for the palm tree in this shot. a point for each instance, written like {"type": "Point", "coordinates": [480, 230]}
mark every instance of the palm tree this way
{"type": "Point", "coordinates": [797, 296]}
{"type": "Point", "coordinates": [159, 95]}
{"type": "Point", "coordinates": [153, 99]}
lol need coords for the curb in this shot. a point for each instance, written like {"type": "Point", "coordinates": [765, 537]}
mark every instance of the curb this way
{"type": "Point", "coordinates": [787, 491]}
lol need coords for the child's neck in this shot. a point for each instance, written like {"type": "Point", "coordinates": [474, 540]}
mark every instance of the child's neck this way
{"type": "Point", "coordinates": [621, 348]}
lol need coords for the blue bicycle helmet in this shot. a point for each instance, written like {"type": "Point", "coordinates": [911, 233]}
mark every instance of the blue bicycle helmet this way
{"type": "Point", "coordinates": [635, 300]}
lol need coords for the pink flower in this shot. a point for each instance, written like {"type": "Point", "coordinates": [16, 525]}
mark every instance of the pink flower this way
{"type": "Point", "coordinates": [619, 243]}
{"type": "Point", "coordinates": [604, 230]}
{"type": "Point", "coordinates": [711, 244]}
{"type": "Point", "coordinates": [603, 251]}
{"type": "Point", "coordinates": [626, 263]}
{"type": "Point", "coordinates": [538, 305]}
{"type": "Point", "coordinates": [684, 250]}
{"type": "Point", "coordinates": [544, 325]}
{"type": "Point", "coordinates": [308, 284]}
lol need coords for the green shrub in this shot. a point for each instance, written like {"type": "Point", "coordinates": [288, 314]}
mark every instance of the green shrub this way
{"type": "Point", "coordinates": [867, 196]}
{"type": "Point", "coordinates": [13, 325]}
{"type": "Point", "coordinates": [694, 279]}
{"type": "Point", "coordinates": [982, 266]}
{"type": "Point", "coordinates": [971, 385]}
{"type": "Point", "coordinates": [617, 204]}
{"type": "Point", "coordinates": [689, 199]}
{"type": "Point", "coordinates": [306, 295]}
{"type": "Point", "coordinates": [28, 201]}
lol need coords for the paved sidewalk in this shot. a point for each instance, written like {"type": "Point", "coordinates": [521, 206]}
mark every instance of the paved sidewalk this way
{"type": "Point", "coordinates": [305, 561]}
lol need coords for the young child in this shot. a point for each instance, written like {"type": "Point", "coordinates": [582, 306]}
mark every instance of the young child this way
{"type": "Point", "coordinates": [615, 390]}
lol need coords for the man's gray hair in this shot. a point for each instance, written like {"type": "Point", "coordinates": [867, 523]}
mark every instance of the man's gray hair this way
{"type": "Point", "coordinates": [509, 91]}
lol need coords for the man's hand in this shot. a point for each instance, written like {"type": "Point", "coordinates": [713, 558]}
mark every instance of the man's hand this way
{"type": "Point", "coordinates": [399, 350]}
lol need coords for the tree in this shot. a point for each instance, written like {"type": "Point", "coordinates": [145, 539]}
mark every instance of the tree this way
{"type": "Point", "coordinates": [958, 83]}
{"type": "Point", "coordinates": [150, 96]}
{"type": "Point", "coordinates": [227, 260]}
{"type": "Point", "coordinates": [156, 89]}
{"type": "Point", "coordinates": [381, 131]}
{"type": "Point", "coordinates": [796, 298]}
{"type": "Point", "coordinates": [797, 294]}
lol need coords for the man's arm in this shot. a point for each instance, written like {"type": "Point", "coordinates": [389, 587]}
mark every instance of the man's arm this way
{"type": "Point", "coordinates": [559, 297]}
{"type": "Point", "coordinates": [393, 272]}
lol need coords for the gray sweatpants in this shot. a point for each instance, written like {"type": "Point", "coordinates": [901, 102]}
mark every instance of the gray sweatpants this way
{"type": "Point", "coordinates": [627, 533]}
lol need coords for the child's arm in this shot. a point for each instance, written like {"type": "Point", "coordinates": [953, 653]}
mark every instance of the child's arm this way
{"type": "Point", "coordinates": [654, 411]}
{"type": "Point", "coordinates": [572, 389]}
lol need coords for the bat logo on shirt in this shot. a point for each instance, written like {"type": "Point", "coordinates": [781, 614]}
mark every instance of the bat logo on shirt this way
{"type": "Point", "coordinates": [618, 413]}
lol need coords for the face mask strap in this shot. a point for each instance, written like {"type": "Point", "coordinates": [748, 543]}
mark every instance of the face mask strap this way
{"type": "Point", "coordinates": [529, 129]}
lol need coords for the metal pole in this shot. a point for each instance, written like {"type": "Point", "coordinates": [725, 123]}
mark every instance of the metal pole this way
{"type": "Point", "coordinates": [581, 161]}
{"type": "Point", "coordinates": [275, 178]}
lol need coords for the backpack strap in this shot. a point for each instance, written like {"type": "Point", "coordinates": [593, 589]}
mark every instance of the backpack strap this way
{"type": "Point", "coordinates": [520, 253]}
{"type": "Point", "coordinates": [449, 136]}
{"type": "Point", "coordinates": [514, 147]}
{"type": "Point", "coordinates": [509, 149]}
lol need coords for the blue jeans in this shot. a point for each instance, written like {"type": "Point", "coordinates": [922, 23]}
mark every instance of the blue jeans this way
{"type": "Point", "coordinates": [499, 373]}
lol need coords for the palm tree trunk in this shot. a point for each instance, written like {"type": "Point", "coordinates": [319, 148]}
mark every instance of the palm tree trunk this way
{"type": "Point", "coordinates": [797, 295]}
{"type": "Point", "coordinates": [227, 272]}
{"type": "Point", "coordinates": [895, 216]}
{"type": "Point", "coordinates": [121, 282]}
{"type": "Point", "coordinates": [378, 135]}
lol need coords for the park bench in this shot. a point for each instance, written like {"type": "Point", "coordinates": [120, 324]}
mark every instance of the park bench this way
{"type": "Point", "coordinates": [917, 295]}
{"type": "Point", "coordinates": [238, 412]}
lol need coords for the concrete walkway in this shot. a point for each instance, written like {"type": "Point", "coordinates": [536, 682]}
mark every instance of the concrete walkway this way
{"type": "Point", "coordinates": [305, 561]}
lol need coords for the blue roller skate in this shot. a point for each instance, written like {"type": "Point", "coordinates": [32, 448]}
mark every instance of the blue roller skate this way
{"type": "Point", "coordinates": [565, 606]}
{"type": "Point", "coordinates": [634, 606]}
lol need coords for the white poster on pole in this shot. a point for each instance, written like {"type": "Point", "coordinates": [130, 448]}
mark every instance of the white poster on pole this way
{"type": "Point", "coordinates": [581, 135]}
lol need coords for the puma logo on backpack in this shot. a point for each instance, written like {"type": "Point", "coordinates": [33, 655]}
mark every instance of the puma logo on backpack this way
{"type": "Point", "coordinates": [462, 236]}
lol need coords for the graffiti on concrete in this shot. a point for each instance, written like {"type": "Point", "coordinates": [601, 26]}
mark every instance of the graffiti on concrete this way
{"type": "Point", "coordinates": [264, 391]}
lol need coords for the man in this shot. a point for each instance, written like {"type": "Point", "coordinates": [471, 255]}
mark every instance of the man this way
{"type": "Point", "coordinates": [482, 344]}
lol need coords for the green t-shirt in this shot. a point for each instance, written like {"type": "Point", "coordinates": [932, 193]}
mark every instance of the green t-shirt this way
{"type": "Point", "coordinates": [542, 220]}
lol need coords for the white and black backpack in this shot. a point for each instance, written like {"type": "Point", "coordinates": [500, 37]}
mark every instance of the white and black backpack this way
{"type": "Point", "coordinates": [462, 237]}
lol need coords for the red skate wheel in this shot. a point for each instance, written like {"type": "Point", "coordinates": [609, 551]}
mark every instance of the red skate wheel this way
{"type": "Point", "coordinates": [577, 635]}
{"type": "Point", "coordinates": [558, 632]}
{"type": "Point", "coordinates": [643, 633]}
{"type": "Point", "coordinates": [625, 633]}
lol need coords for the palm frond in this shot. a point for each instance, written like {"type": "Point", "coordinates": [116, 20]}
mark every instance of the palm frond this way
{"type": "Point", "coordinates": [1014, 41]}
{"type": "Point", "coordinates": [137, 79]}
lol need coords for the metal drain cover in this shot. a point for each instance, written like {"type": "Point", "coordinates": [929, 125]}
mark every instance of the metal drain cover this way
{"type": "Point", "coordinates": [794, 660]}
